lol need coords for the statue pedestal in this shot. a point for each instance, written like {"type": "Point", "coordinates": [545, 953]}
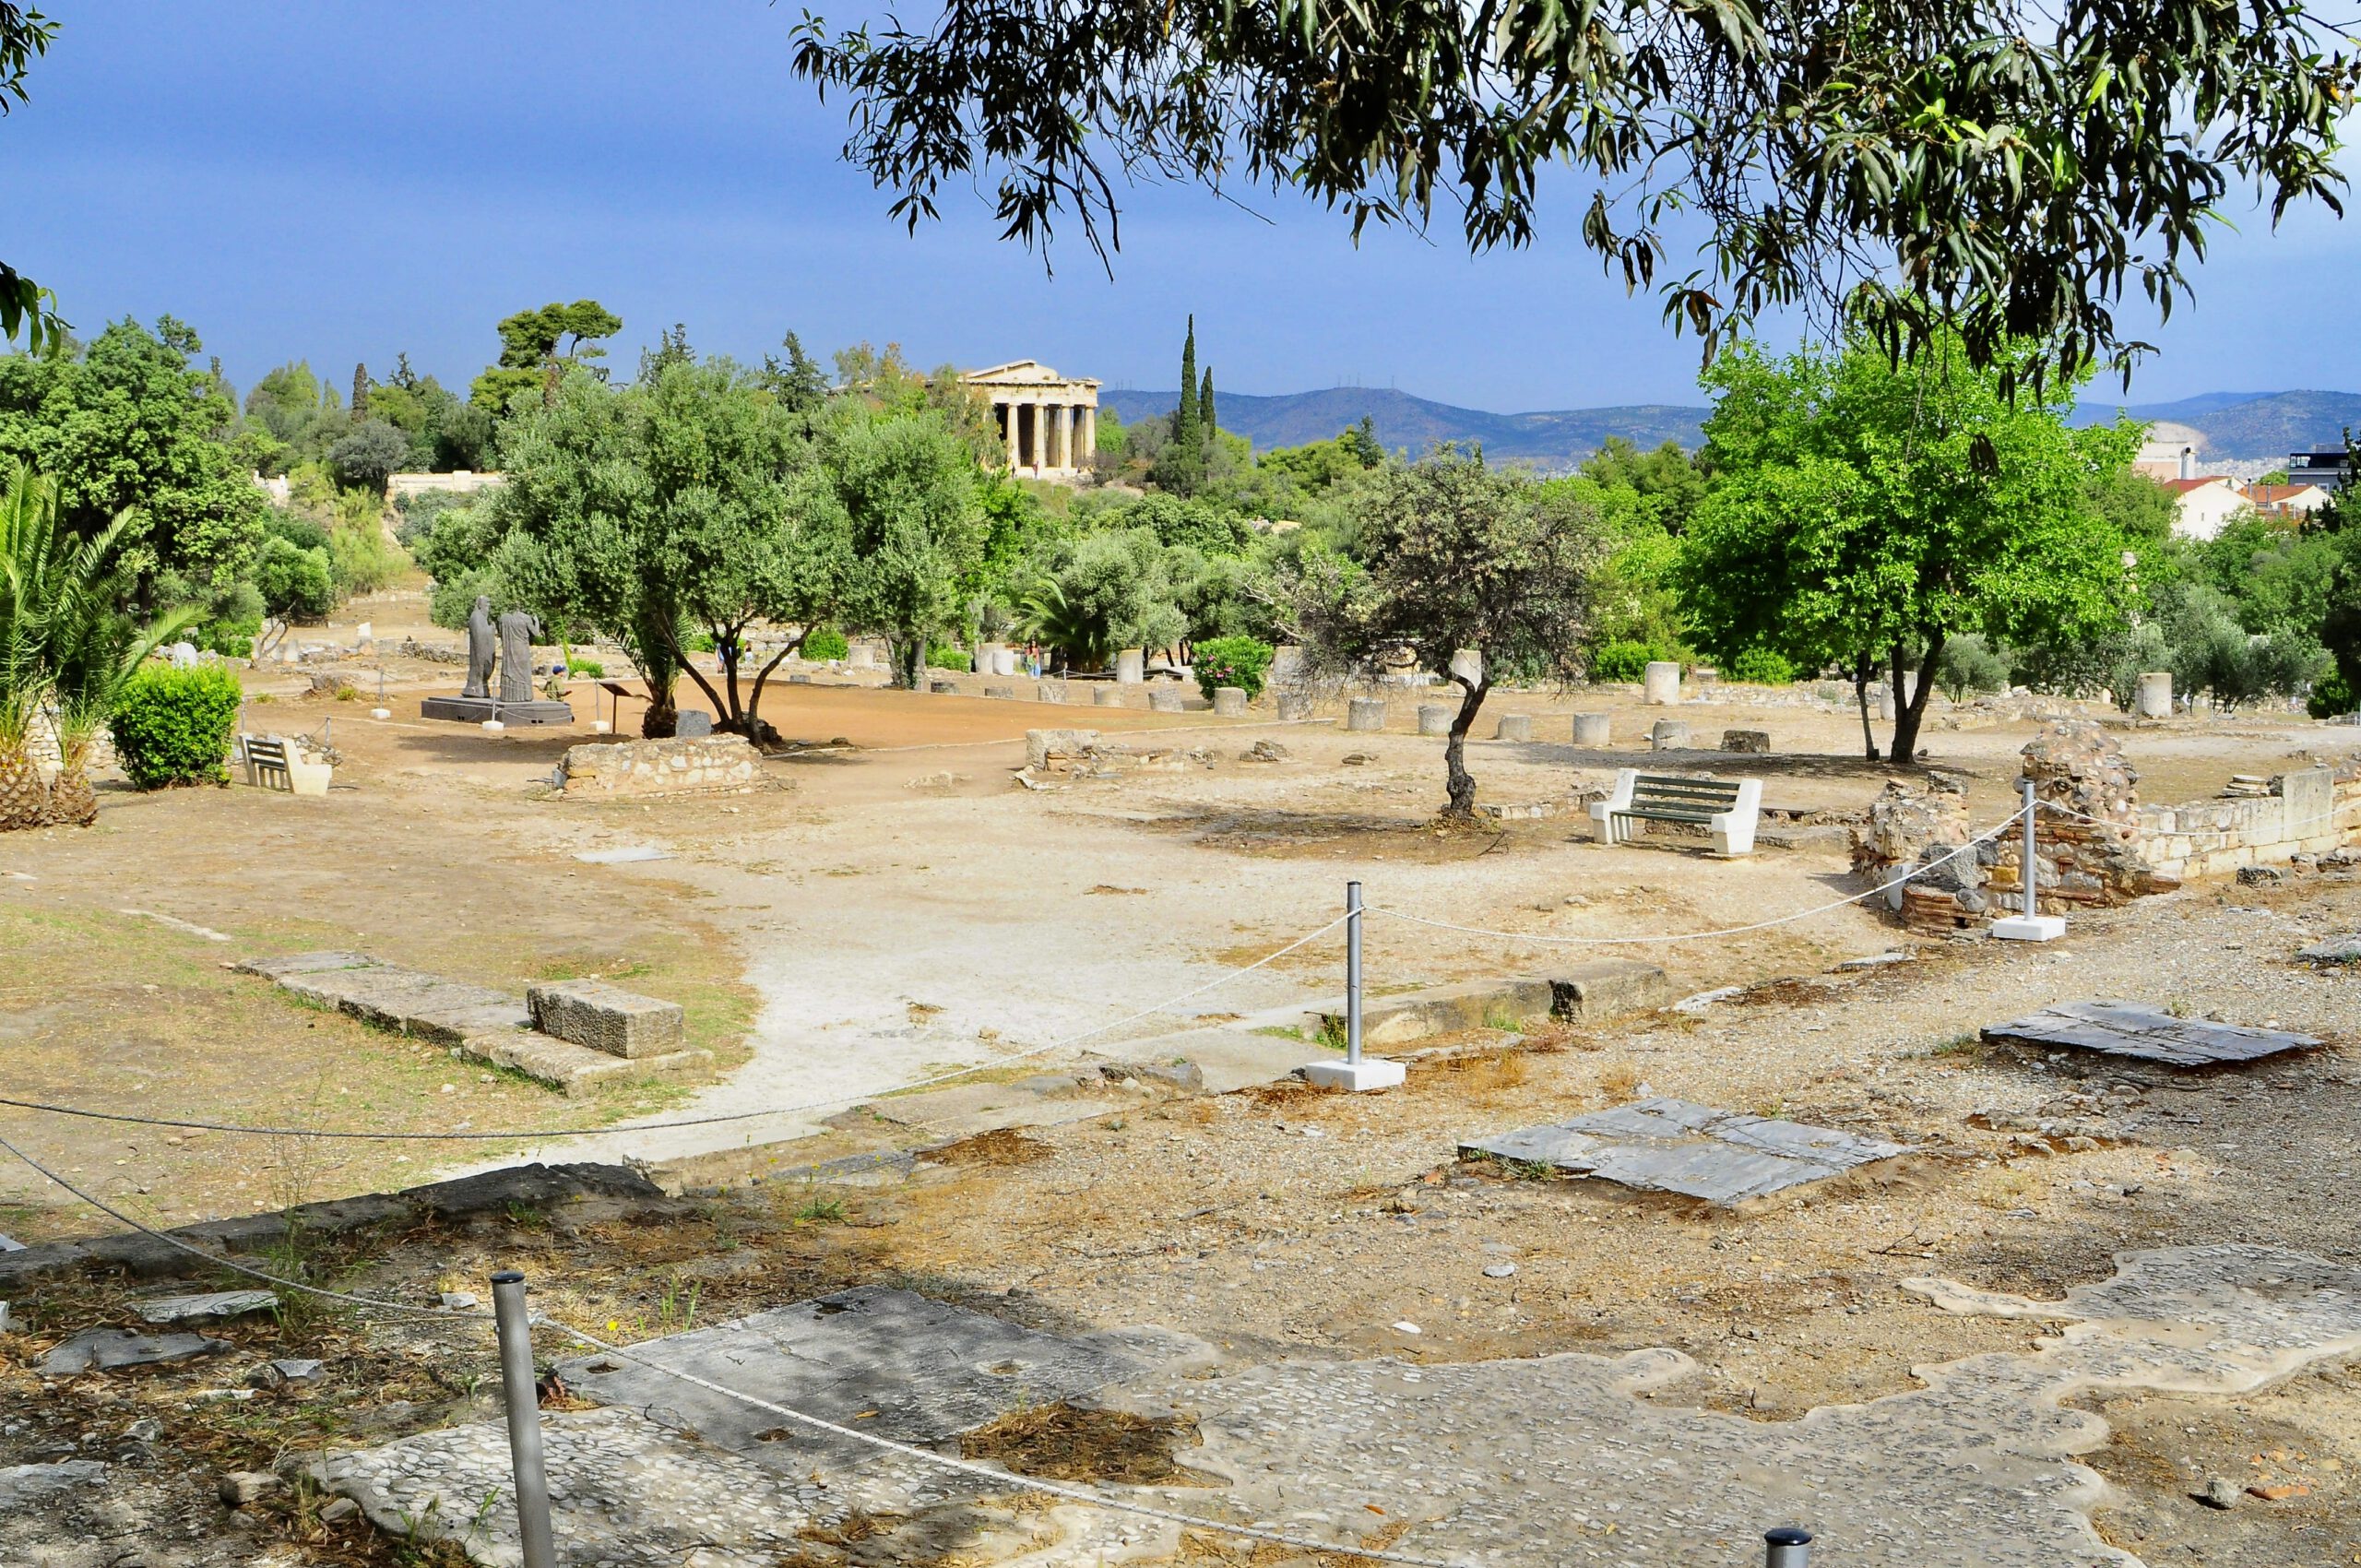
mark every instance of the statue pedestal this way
{"type": "Point", "coordinates": [475, 710]}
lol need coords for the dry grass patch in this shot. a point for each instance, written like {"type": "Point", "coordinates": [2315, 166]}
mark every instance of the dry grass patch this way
{"type": "Point", "coordinates": [1064, 1442]}
{"type": "Point", "coordinates": [1001, 1146]}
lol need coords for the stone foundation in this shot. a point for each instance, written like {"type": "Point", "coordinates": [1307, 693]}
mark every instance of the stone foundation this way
{"type": "Point", "coordinates": [2314, 811]}
{"type": "Point", "coordinates": [660, 767]}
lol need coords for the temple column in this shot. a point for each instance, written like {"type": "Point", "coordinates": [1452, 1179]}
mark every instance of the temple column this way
{"type": "Point", "coordinates": [1089, 434]}
{"type": "Point", "coordinates": [1065, 436]}
{"type": "Point", "coordinates": [1009, 409]}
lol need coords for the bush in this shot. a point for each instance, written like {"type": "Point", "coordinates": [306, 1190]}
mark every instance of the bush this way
{"type": "Point", "coordinates": [2330, 698]}
{"type": "Point", "coordinates": [172, 726]}
{"type": "Point", "coordinates": [1969, 664]}
{"type": "Point", "coordinates": [1628, 660]}
{"type": "Point", "coordinates": [588, 668]}
{"type": "Point", "coordinates": [296, 583]}
{"type": "Point", "coordinates": [1233, 661]}
{"type": "Point", "coordinates": [943, 657]}
{"type": "Point", "coordinates": [1762, 667]}
{"type": "Point", "coordinates": [825, 644]}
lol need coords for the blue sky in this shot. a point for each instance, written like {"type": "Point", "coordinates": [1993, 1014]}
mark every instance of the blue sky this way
{"type": "Point", "coordinates": [342, 182]}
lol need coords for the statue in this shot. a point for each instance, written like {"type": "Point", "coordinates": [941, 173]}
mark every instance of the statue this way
{"type": "Point", "coordinates": [519, 629]}
{"type": "Point", "coordinates": [479, 649]}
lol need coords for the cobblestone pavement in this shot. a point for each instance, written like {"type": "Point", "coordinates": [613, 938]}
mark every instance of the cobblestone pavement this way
{"type": "Point", "coordinates": [1511, 1463]}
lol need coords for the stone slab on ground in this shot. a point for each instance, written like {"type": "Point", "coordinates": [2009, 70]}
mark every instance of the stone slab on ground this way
{"type": "Point", "coordinates": [2130, 1028]}
{"type": "Point", "coordinates": [475, 710]}
{"type": "Point", "coordinates": [103, 1349]}
{"type": "Point", "coordinates": [490, 1025]}
{"type": "Point", "coordinates": [606, 1017]}
{"type": "Point", "coordinates": [1676, 1146]}
{"type": "Point", "coordinates": [2335, 950]}
{"type": "Point", "coordinates": [460, 1198]}
{"type": "Point", "coordinates": [906, 1367]}
{"type": "Point", "coordinates": [214, 1304]}
{"type": "Point", "coordinates": [23, 1485]}
{"type": "Point", "coordinates": [1546, 1462]}
{"type": "Point", "coordinates": [1589, 992]}
{"type": "Point", "coordinates": [1607, 987]}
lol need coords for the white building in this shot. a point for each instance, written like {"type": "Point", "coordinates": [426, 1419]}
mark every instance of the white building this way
{"type": "Point", "coordinates": [1050, 422]}
{"type": "Point", "coordinates": [2202, 506]}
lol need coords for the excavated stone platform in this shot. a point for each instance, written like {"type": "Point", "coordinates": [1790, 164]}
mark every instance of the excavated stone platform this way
{"type": "Point", "coordinates": [1521, 1464]}
{"type": "Point", "coordinates": [481, 1023]}
{"type": "Point", "coordinates": [1724, 1157]}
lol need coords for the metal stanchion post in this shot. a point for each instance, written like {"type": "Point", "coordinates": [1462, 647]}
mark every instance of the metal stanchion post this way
{"type": "Point", "coordinates": [1353, 973]}
{"type": "Point", "coordinates": [523, 1399]}
{"type": "Point", "coordinates": [1786, 1547]}
{"type": "Point", "coordinates": [2029, 924]}
{"type": "Point", "coordinates": [1355, 1071]}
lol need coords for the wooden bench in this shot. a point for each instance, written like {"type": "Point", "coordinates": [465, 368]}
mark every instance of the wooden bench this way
{"type": "Point", "coordinates": [267, 762]}
{"type": "Point", "coordinates": [1726, 808]}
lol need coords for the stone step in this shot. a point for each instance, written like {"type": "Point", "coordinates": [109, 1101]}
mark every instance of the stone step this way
{"type": "Point", "coordinates": [482, 1024]}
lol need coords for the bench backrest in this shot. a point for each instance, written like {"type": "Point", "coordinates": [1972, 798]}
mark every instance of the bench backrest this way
{"type": "Point", "coordinates": [1652, 791]}
{"type": "Point", "coordinates": [267, 752]}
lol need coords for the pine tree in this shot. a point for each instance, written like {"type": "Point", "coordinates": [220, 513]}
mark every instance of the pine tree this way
{"type": "Point", "coordinates": [359, 393]}
{"type": "Point", "coordinates": [1206, 410]}
{"type": "Point", "coordinates": [1184, 419]}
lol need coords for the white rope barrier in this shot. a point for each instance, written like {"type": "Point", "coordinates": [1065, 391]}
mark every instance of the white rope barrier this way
{"type": "Point", "coordinates": [998, 1477]}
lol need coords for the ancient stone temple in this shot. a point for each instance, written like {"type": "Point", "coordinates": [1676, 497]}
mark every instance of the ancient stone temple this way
{"type": "Point", "coordinates": [1051, 424]}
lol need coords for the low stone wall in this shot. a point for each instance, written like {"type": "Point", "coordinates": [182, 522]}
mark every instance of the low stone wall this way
{"type": "Point", "coordinates": [660, 767]}
{"type": "Point", "coordinates": [2314, 811]}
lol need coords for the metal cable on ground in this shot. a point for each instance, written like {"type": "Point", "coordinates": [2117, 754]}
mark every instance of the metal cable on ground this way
{"type": "Point", "coordinates": [941, 1461]}
{"type": "Point", "coordinates": [1703, 935]}
{"type": "Point", "coordinates": [717, 1119]}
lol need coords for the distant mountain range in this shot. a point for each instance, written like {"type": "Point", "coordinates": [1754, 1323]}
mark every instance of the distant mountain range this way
{"type": "Point", "coordinates": [1554, 439]}
{"type": "Point", "coordinates": [2242, 428]}
{"type": "Point", "coordinates": [2245, 427]}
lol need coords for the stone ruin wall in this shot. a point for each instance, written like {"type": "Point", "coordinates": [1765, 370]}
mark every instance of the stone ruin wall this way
{"type": "Point", "coordinates": [660, 767]}
{"type": "Point", "coordinates": [2112, 851]}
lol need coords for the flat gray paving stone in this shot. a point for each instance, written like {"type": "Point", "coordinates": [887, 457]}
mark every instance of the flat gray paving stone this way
{"type": "Point", "coordinates": [2335, 950]}
{"type": "Point", "coordinates": [23, 1485]}
{"type": "Point", "coordinates": [2132, 1029]}
{"type": "Point", "coordinates": [891, 1363]}
{"type": "Point", "coordinates": [102, 1350]}
{"type": "Point", "coordinates": [627, 855]}
{"type": "Point", "coordinates": [1678, 1145]}
{"type": "Point", "coordinates": [214, 1304]}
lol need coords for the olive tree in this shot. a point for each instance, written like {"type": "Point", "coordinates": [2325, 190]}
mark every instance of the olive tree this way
{"type": "Point", "coordinates": [908, 486]}
{"type": "Point", "coordinates": [2005, 170]}
{"type": "Point", "coordinates": [1459, 555]}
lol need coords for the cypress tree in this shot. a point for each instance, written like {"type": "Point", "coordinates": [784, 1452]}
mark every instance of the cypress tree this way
{"type": "Point", "coordinates": [1185, 418]}
{"type": "Point", "coordinates": [359, 393]}
{"type": "Point", "coordinates": [1206, 410]}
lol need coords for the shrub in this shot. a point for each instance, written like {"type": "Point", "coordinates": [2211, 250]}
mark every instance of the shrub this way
{"type": "Point", "coordinates": [827, 643]}
{"type": "Point", "coordinates": [1762, 667]}
{"type": "Point", "coordinates": [945, 657]}
{"type": "Point", "coordinates": [2329, 697]}
{"type": "Point", "coordinates": [588, 668]}
{"type": "Point", "coordinates": [296, 583]}
{"type": "Point", "coordinates": [172, 726]}
{"type": "Point", "coordinates": [1969, 664]}
{"type": "Point", "coordinates": [1628, 660]}
{"type": "Point", "coordinates": [1233, 661]}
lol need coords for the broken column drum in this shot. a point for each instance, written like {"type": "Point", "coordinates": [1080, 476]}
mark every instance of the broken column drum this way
{"type": "Point", "coordinates": [1434, 718]}
{"type": "Point", "coordinates": [1661, 685]}
{"type": "Point", "coordinates": [1365, 714]}
{"type": "Point", "coordinates": [1590, 729]}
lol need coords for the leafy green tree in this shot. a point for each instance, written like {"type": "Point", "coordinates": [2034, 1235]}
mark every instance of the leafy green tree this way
{"type": "Point", "coordinates": [1097, 593]}
{"type": "Point", "coordinates": [66, 643]}
{"type": "Point", "coordinates": [908, 486]}
{"type": "Point", "coordinates": [300, 416]}
{"type": "Point", "coordinates": [538, 348]}
{"type": "Point", "coordinates": [297, 582]}
{"type": "Point", "coordinates": [127, 424]}
{"type": "Point", "coordinates": [688, 508]}
{"type": "Point", "coordinates": [796, 381]}
{"type": "Point", "coordinates": [1968, 665]}
{"type": "Point", "coordinates": [1866, 513]}
{"type": "Point", "coordinates": [367, 459]}
{"type": "Point", "coordinates": [1460, 556]}
{"type": "Point", "coordinates": [1180, 466]}
{"type": "Point", "coordinates": [2002, 171]}
{"type": "Point", "coordinates": [26, 309]}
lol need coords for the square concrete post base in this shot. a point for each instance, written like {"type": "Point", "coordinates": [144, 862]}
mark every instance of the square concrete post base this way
{"type": "Point", "coordinates": [2028, 928]}
{"type": "Point", "coordinates": [1369, 1073]}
